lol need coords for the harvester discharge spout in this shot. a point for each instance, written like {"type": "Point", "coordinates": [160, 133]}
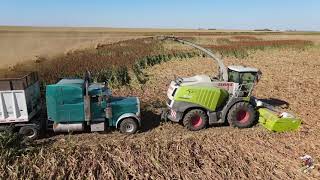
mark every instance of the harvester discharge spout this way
{"type": "Point", "coordinates": [223, 73]}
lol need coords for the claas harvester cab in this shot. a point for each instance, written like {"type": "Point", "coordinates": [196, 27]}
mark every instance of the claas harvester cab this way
{"type": "Point", "coordinates": [72, 105]}
{"type": "Point", "coordinates": [226, 99]}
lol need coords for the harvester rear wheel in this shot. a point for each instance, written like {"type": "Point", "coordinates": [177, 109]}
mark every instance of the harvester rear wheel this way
{"type": "Point", "coordinates": [195, 120]}
{"type": "Point", "coordinates": [242, 115]}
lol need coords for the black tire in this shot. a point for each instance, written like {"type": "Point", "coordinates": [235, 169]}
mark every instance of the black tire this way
{"type": "Point", "coordinates": [242, 115]}
{"type": "Point", "coordinates": [195, 120]}
{"type": "Point", "coordinates": [164, 115]}
{"type": "Point", "coordinates": [128, 126]}
{"type": "Point", "coordinates": [29, 132]}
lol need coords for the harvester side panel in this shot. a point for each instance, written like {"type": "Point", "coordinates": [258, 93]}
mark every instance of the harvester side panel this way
{"type": "Point", "coordinates": [209, 97]}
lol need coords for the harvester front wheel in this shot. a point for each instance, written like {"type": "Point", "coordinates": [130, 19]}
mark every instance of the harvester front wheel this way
{"type": "Point", "coordinates": [195, 120]}
{"type": "Point", "coordinates": [242, 115]}
{"type": "Point", "coordinates": [128, 126]}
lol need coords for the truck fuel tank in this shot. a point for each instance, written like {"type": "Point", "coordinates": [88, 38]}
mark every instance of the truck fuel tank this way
{"type": "Point", "coordinates": [59, 128]}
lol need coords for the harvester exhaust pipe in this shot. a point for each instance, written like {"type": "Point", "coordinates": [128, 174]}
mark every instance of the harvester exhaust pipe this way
{"type": "Point", "coordinates": [87, 108]}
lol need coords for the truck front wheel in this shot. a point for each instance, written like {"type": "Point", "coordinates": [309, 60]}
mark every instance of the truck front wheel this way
{"type": "Point", "coordinates": [128, 126]}
{"type": "Point", "coordinates": [195, 120]}
{"type": "Point", "coordinates": [242, 115]}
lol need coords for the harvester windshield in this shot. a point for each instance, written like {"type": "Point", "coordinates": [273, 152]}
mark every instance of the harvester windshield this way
{"type": "Point", "coordinates": [243, 75]}
{"type": "Point", "coordinates": [242, 78]}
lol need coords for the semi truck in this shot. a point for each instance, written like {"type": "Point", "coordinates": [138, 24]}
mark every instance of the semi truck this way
{"type": "Point", "coordinates": [71, 105]}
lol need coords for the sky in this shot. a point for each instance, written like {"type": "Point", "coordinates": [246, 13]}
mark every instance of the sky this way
{"type": "Point", "coordinates": [218, 14]}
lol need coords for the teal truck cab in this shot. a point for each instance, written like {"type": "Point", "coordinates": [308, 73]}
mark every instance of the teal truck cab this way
{"type": "Point", "coordinates": [78, 105]}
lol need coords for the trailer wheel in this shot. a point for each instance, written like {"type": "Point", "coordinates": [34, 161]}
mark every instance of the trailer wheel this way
{"type": "Point", "coordinates": [128, 126]}
{"type": "Point", "coordinates": [242, 115]}
{"type": "Point", "coordinates": [195, 120]}
{"type": "Point", "coordinates": [29, 132]}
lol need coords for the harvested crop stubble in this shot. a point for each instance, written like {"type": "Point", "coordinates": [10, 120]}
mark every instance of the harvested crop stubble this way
{"type": "Point", "coordinates": [168, 152]}
{"type": "Point", "coordinates": [289, 75]}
